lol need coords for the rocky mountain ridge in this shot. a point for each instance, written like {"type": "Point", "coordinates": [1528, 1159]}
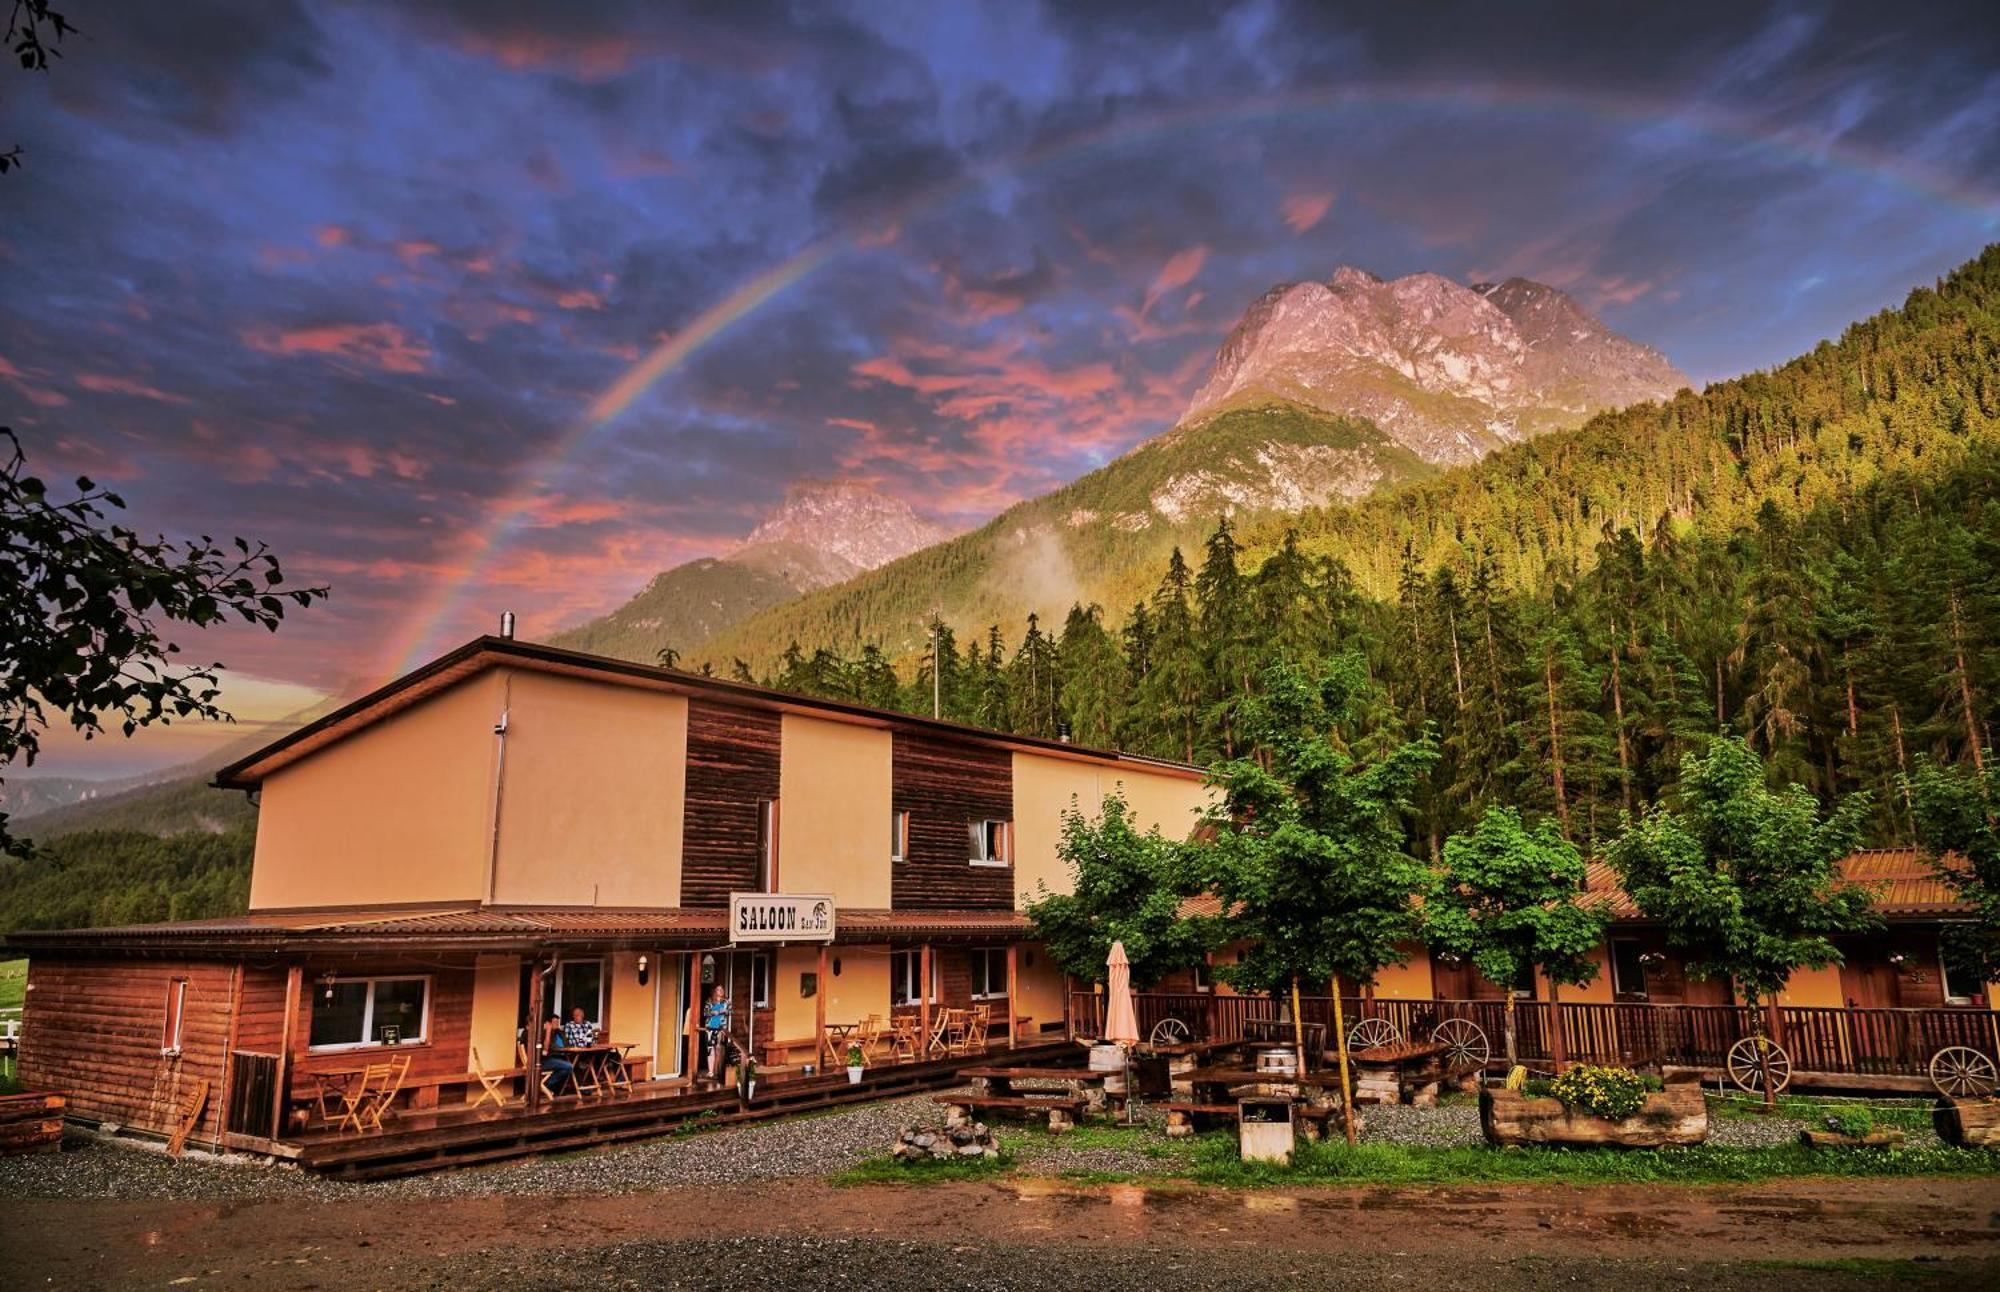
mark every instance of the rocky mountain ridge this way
{"type": "Point", "coordinates": [1451, 372]}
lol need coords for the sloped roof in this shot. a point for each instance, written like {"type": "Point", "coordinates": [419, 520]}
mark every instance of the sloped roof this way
{"type": "Point", "coordinates": [483, 653]}
{"type": "Point", "coordinates": [1903, 881]}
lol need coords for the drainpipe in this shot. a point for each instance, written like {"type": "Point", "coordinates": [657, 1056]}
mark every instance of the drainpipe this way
{"type": "Point", "coordinates": [499, 781]}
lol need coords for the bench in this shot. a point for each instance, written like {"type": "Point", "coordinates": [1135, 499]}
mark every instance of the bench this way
{"type": "Point", "coordinates": [1062, 1110]}
{"type": "Point", "coordinates": [1182, 1115]}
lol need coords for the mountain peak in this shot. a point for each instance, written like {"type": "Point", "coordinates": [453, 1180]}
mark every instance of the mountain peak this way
{"type": "Point", "coordinates": [1449, 371]}
{"type": "Point", "coordinates": [848, 519]}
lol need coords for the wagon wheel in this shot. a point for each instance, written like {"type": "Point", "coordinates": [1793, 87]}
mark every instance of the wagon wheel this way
{"type": "Point", "coordinates": [1960, 1072]}
{"type": "Point", "coordinates": [1372, 1032]}
{"type": "Point", "coordinates": [1465, 1045]}
{"type": "Point", "coordinates": [1748, 1059]}
{"type": "Point", "coordinates": [1169, 1031]}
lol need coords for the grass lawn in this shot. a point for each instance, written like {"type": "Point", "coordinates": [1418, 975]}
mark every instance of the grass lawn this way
{"type": "Point", "coordinates": [1212, 1159]}
{"type": "Point", "coordinates": [1907, 1114]}
{"type": "Point", "coordinates": [13, 983]}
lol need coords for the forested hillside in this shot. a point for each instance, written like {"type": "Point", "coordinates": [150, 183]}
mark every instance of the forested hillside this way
{"type": "Point", "coordinates": [1806, 557]}
{"type": "Point", "coordinates": [1909, 388]}
{"type": "Point", "coordinates": [125, 877]}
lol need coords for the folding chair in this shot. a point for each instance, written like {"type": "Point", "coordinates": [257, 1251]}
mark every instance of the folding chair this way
{"type": "Point", "coordinates": [940, 1033]}
{"type": "Point", "coordinates": [903, 1040]}
{"type": "Point", "coordinates": [489, 1083]}
{"type": "Point", "coordinates": [534, 1073]}
{"type": "Point", "coordinates": [355, 1100]}
{"type": "Point", "coordinates": [975, 1031]}
{"type": "Point", "coordinates": [384, 1100]}
{"type": "Point", "coordinates": [869, 1035]}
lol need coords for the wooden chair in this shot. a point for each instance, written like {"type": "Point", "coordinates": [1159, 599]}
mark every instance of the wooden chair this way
{"type": "Point", "coordinates": [356, 1099]}
{"type": "Point", "coordinates": [869, 1035]}
{"type": "Point", "coordinates": [903, 1039]}
{"type": "Point", "coordinates": [489, 1082]}
{"type": "Point", "coordinates": [975, 1031]}
{"type": "Point", "coordinates": [939, 1039]}
{"type": "Point", "coordinates": [384, 1099]}
{"type": "Point", "coordinates": [544, 1075]}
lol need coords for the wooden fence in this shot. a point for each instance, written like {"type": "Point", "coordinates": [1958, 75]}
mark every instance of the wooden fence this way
{"type": "Point", "coordinates": [1872, 1042]}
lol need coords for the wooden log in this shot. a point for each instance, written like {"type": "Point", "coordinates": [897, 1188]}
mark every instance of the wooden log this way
{"type": "Point", "coordinates": [1968, 1123]}
{"type": "Point", "coordinates": [31, 1122]}
{"type": "Point", "coordinates": [1888, 1137]}
{"type": "Point", "coordinates": [1677, 1115]}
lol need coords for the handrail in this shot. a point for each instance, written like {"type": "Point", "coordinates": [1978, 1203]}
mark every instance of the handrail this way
{"type": "Point", "coordinates": [1896, 1041]}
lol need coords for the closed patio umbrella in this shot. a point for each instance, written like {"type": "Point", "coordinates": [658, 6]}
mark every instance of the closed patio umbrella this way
{"type": "Point", "coordinates": [1121, 1021]}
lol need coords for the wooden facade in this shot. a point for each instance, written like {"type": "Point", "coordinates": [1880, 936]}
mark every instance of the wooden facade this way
{"type": "Point", "coordinates": [945, 787]}
{"type": "Point", "coordinates": [732, 765]}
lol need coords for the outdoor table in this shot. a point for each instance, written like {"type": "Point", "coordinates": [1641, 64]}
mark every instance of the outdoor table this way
{"type": "Point", "coordinates": [999, 1082]}
{"type": "Point", "coordinates": [593, 1065]}
{"type": "Point", "coordinates": [332, 1083]}
{"type": "Point", "coordinates": [1383, 1073]}
{"type": "Point", "coordinates": [1216, 1084]}
{"type": "Point", "coordinates": [836, 1043]}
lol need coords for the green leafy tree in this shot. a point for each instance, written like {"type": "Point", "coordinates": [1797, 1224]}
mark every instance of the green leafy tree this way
{"type": "Point", "coordinates": [1308, 858]}
{"type": "Point", "coordinates": [85, 606]}
{"type": "Point", "coordinates": [1127, 886]}
{"type": "Point", "coordinates": [1957, 812]}
{"type": "Point", "coordinates": [1743, 878]}
{"type": "Point", "coordinates": [1506, 899]}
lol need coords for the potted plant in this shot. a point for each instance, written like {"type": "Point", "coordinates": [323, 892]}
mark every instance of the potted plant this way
{"type": "Point", "coordinates": [746, 1078]}
{"type": "Point", "coordinates": [1589, 1104]}
{"type": "Point", "coordinates": [857, 1060]}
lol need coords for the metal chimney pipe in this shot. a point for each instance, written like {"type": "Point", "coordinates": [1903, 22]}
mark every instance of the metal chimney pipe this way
{"type": "Point", "coordinates": [507, 624]}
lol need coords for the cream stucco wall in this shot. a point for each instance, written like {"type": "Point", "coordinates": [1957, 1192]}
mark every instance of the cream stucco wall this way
{"type": "Point", "coordinates": [395, 813]}
{"type": "Point", "coordinates": [1039, 989]}
{"type": "Point", "coordinates": [834, 805]}
{"type": "Point", "coordinates": [1408, 981]}
{"type": "Point", "coordinates": [592, 795]}
{"type": "Point", "coordinates": [862, 986]}
{"type": "Point", "coordinates": [496, 1007]}
{"type": "Point", "coordinates": [1809, 988]}
{"type": "Point", "coordinates": [1045, 786]}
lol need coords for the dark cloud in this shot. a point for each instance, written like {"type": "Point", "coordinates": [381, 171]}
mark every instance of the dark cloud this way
{"type": "Point", "coordinates": [348, 275]}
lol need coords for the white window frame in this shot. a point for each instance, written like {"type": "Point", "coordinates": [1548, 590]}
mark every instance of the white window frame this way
{"type": "Point", "coordinates": [899, 836]}
{"type": "Point", "coordinates": [767, 845]}
{"type": "Point", "coordinates": [902, 972]}
{"type": "Point", "coordinates": [1204, 975]}
{"type": "Point", "coordinates": [984, 955]}
{"type": "Point", "coordinates": [765, 958]}
{"type": "Point", "coordinates": [1945, 983]}
{"type": "Point", "coordinates": [985, 857]}
{"type": "Point", "coordinates": [1618, 987]}
{"type": "Point", "coordinates": [368, 1015]}
{"type": "Point", "coordinates": [170, 1032]}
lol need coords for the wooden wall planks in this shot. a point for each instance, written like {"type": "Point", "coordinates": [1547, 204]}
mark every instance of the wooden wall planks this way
{"type": "Point", "coordinates": [945, 786]}
{"type": "Point", "coordinates": [732, 764]}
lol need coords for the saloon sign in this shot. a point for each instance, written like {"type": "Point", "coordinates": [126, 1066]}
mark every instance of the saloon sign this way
{"type": "Point", "coordinates": [779, 917]}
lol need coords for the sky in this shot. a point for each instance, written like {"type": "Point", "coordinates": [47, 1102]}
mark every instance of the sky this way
{"type": "Point", "coordinates": [471, 307]}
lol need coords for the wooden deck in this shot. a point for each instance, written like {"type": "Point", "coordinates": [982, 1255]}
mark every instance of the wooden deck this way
{"type": "Point", "coordinates": [414, 1142]}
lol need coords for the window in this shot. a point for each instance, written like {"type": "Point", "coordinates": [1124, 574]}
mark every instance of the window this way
{"type": "Point", "coordinates": [170, 1035]}
{"type": "Point", "coordinates": [1961, 985]}
{"type": "Point", "coordinates": [767, 845]}
{"type": "Point", "coordinates": [989, 973]}
{"type": "Point", "coordinates": [1628, 968]}
{"type": "Point", "coordinates": [1524, 983]}
{"type": "Point", "coordinates": [905, 970]}
{"type": "Point", "coordinates": [1204, 977]}
{"type": "Point", "coordinates": [760, 980]}
{"type": "Point", "coordinates": [580, 982]}
{"type": "Point", "coordinates": [991, 842]}
{"type": "Point", "coordinates": [362, 1011]}
{"type": "Point", "coordinates": [899, 836]}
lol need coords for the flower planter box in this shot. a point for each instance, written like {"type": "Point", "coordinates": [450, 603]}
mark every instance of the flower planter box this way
{"type": "Point", "coordinates": [1968, 1123]}
{"type": "Point", "coordinates": [31, 1122]}
{"type": "Point", "coordinates": [1888, 1137]}
{"type": "Point", "coordinates": [1677, 1115]}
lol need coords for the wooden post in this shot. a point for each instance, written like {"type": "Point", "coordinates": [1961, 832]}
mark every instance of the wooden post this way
{"type": "Point", "coordinates": [534, 1030]}
{"type": "Point", "coordinates": [1013, 987]}
{"type": "Point", "coordinates": [1346, 1088]}
{"type": "Point", "coordinates": [1558, 1042]}
{"type": "Point", "coordinates": [924, 1002]}
{"type": "Point", "coordinates": [1299, 1026]}
{"type": "Point", "coordinates": [819, 1013]}
{"type": "Point", "coordinates": [294, 984]}
{"type": "Point", "coordinates": [1776, 1025]}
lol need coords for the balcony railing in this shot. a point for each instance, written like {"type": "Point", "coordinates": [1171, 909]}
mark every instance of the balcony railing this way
{"type": "Point", "coordinates": [1884, 1042]}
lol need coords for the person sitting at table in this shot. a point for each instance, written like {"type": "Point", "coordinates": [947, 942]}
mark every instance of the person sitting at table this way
{"type": "Point", "coordinates": [553, 1044]}
{"type": "Point", "coordinates": [579, 1033]}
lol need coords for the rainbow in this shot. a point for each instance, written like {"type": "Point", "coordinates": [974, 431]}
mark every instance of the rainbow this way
{"type": "Point", "coordinates": [422, 628]}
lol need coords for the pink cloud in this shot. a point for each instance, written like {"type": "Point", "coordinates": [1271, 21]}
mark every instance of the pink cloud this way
{"type": "Point", "coordinates": [1179, 271]}
{"type": "Point", "coordinates": [29, 390]}
{"type": "Point", "coordinates": [332, 235]}
{"type": "Point", "coordinates": [107, 384]}
{"type": "Point", "coordinates": [410, 251]}
{"type": "Point", "coordinates": [384, 346]}
{"type": "Point", "coordinates": [580, 299]}
{"type": "Point", "coordinates": [1302, 211]}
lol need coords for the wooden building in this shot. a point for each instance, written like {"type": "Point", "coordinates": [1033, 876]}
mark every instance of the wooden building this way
{"type": "Point", "coordinates": [515, 830]}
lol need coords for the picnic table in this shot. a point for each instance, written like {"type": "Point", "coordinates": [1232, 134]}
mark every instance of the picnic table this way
{"type": "Point", "coordinates": [1215, 1084]}
{"type": "Point", "coordinates": [998, 1082]}
{"type": "Point", "coordinates": [1385, 1074]}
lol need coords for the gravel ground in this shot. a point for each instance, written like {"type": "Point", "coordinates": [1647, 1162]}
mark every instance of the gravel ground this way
{"type": "Point", "coordinates": [91, 1167]}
